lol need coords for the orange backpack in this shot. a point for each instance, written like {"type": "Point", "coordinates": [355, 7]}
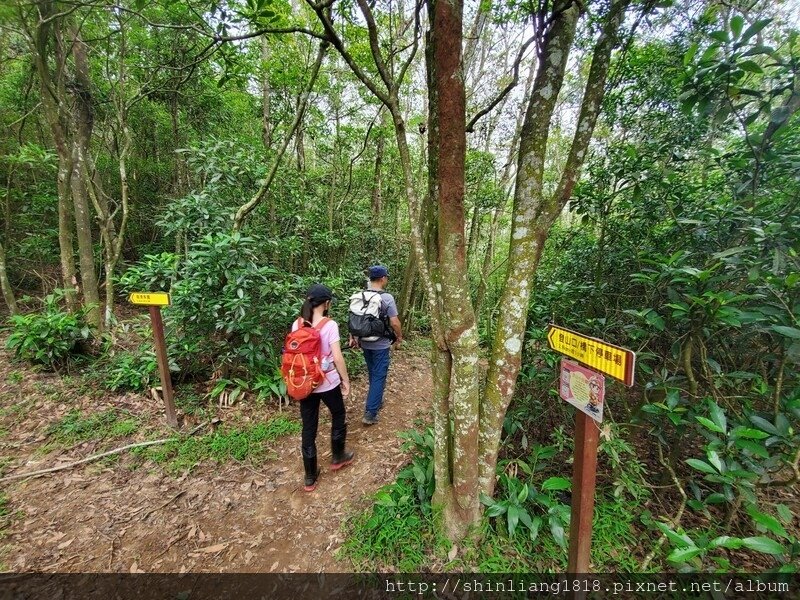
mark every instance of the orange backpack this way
{"type": "Point", "coordinates": [301, 365]}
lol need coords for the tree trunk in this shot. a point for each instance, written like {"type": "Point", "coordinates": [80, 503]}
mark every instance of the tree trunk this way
{"type": "Point", "coordinates": [456, 366]}
{"type": "Point", "coordinates": [488, 258]}
{"type": "Point", "coordinates": [377, 181]}
{"type": "Point", "coordinates": [66, 236]}
{"type": "Point", "coordinates": [266, 93]}
{"type": "Point", "coordinates": [83, 121]}
{"type": "Point", "coordinates": [473, 232]}
{"type": "Point", "coordinates": [534, 213]}
{"type": "Point", "coordinates": [54, 107]}
{"type": "Point", "coordinates": [5, 284]}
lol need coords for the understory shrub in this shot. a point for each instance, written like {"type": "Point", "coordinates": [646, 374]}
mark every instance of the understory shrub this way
{"type": "Point", "coordinates": [51, 337]}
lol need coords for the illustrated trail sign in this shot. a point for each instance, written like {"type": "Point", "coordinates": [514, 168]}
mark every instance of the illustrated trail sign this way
{"type": "Point", "coordinates": [154, 301]}
{"type": "Point", "coordinates": [583, 388]}
{"type": "Point", "coordinates": [596, 354]}
{"type": "Point", "coordinates": [149, 298]}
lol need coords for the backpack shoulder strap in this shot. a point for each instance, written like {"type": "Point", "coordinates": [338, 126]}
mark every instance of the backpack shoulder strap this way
{"type": "Point", "coordinates": [321, 324]}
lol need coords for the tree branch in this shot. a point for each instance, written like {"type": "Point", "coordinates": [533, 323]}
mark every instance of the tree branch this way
{"type": "Point", "coordinates": [372, 30]}
{"type": "Point", "coordinates": [336, 41]}
{"type": "Point", "coordinates": [592, 99]}
{"type": "Point", "coordinates": [249, 206]}
{"type": "Point", "coordinates": [506, 90]}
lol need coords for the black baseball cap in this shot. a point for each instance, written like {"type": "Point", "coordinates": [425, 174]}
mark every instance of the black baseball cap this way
{"type": "Point", "coordinates": [319, 292]}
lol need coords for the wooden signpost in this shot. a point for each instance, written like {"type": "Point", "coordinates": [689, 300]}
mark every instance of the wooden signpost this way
{"type": "Point", "coordinates": [154, 301]}
{"type": "Point", "coordinates": [584, 388]}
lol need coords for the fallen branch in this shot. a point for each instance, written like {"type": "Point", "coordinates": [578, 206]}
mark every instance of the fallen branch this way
{"type": "Point", "coordinates": [97, 456]}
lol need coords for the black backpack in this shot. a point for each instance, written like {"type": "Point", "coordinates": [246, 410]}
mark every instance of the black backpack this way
{"type": "Point", "coordinates": [367, 319]}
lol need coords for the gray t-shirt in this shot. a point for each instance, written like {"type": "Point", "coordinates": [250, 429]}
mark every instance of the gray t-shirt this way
{"type": "Point", "coordinates": [388, 307]}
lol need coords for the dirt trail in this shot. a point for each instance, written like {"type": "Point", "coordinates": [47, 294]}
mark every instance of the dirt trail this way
{"type": "Point", "coordinates": [226, 518]}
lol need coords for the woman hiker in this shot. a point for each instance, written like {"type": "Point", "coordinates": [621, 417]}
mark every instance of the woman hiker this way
{"type": "Point", "coordinates": [332, 391]}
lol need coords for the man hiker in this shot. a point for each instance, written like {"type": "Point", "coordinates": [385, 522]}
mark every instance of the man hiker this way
{"type": "Point", "coordinates": [376, 348]}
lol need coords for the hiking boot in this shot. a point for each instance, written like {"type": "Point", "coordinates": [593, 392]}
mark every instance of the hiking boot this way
{"type": "Point", "coordinates": [369, 419]}
{"type": "Point", "coordinates": [312, 472]}
{"type": "Point", "coordinates": [341, 458]}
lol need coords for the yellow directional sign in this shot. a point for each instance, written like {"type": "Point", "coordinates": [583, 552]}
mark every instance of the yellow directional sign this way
{"type": "Point", "coordinates": [599, 355]}
{"type": "Point", "coordinates": [149, 298]}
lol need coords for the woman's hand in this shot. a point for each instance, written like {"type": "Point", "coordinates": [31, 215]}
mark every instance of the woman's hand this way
{"type": "Point", "coordinates": [345, 389]}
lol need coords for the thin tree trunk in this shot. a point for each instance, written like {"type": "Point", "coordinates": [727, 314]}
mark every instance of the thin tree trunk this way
{"type": "Point", "coordinates": [266, 94]}
{"type": "Point", "coordinates": [473, 232]}
{"type": "Point", "coordinates": [66, 237]}
{"type": "Point", "coordinates": [488, 259]}
{"type": "Point", "coordinates": [250, 205]}
{"type": "Point", "coordinates": [534, 213]}
{"type": "Point", "coordinates": [5, 284]}
{"type": "Point", "coordinates": [83, 121]}
{"type": "Point", "coordinates": [54, 105]}
{"type": "Point", "coordinates": [377, 181]}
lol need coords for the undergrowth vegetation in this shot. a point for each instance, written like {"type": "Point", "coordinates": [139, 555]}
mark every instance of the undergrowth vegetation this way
{"type": "Point", "coordinates": [248, 444]}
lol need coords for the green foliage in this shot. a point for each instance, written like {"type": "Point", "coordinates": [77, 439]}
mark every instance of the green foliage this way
{"type": "Point", "coordinates": [714, 550]}
{"type": "Point", "coordinates": [247, 444]}
{"type": "Point", "coordinates": [398, 531]}
{"type": "Point", "coordinates": [231, 310]}
{"type": "Point", "coordinates": [136, 371]}
{"type": "Point", "coordinates": [51, 337]}
{"type": "Point", "coordinates": [76, 427]}
{"type": "Point", "coordinates": [153, 273]}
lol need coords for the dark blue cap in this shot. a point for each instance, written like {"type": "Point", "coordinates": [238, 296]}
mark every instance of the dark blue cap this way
{"type": "Point", "coordinates": [378, 271]}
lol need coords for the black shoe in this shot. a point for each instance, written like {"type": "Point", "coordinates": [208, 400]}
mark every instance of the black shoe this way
{"type": "Point", "coordinates": [341, 458]}
{"type": "Point", "coordinates": [312, 472]}
{"type": "Point", "coordinates": [369, 419]}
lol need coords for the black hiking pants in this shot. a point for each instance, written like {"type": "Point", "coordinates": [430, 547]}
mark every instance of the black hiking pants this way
{"type": "Point", "coordinates": [309, 411]}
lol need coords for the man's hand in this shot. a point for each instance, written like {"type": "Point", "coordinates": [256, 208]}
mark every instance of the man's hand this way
{"type": "Point", "coordinates": [397, 343]}
{"type": "Point", "coordinates": [352, 342]}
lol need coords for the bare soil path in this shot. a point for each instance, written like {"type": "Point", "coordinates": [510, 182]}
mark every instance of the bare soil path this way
{"type": "Point", "coordinates": [218, 517]}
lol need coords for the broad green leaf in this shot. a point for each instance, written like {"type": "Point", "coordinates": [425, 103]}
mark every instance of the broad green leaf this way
{"type": "Point", "coordinates": [523, 494]}
{"type": "Point", "coordinates": [556, 483]}
{"type": "Point", "coordinates": [701, 466]}
{"type": "Point", "coordinates": [763, 544]}
{"type": "Point", "coordinates": [495, 510]}
{"type": "Point", "coordinates": [746, 432]}
{"type": "Point", "coordinates": [754, 29]}
{"type": "Point", "coordinates": [709, 424]}
{"type": "Point", "coordinates": [714, 459]}
{"type": "Point", "coordinates": [726, 541]}
{"type": "Point", "coordinates": [737, 24]}
{"type": "Point", "coordinates": [754, 447]}
{"type": "Point", "coordinates": [750, 66]}
{"type": "Point", "coordinates": [764, 425]}
{"type": "Point", "coordinates": [769, 522]}
{"type": "Point", "coordinates": [513, 520]}
{"type": "Point", "coordinates": [791, 332]}
{"type": "Point", "coordinates": [557, 529]}
{"type": "Point", "coordinates": [785, 513]}
{"type": "Point", "coordinates": [680, 540]}
{"type": "Point", "coordinates": [718, 416]}
{"type": "Point", "coordinates": [680, 555]}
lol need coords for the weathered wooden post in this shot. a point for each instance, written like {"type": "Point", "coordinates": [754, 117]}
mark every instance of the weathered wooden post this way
{"type": "Point", "coordinates": [154, 301]}
{"type": "Point", "coordinates": [584, 388]}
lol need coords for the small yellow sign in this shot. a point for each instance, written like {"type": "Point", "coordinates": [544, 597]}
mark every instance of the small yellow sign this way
{"type": "Point", "coordinates": [150, 298]}
{"type": "Point", "coordinates": [599, 355]}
